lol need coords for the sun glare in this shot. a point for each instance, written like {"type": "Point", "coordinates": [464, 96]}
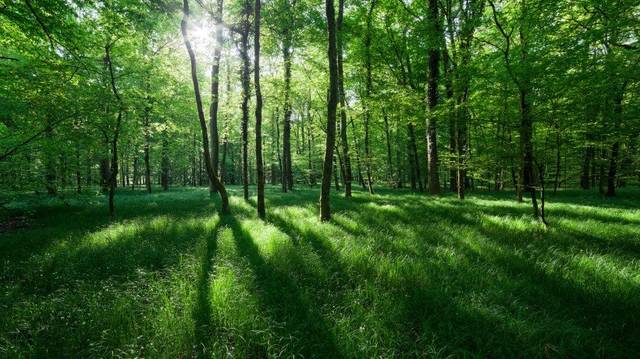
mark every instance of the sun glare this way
{"type": "Point", "coordinates": [202, 34]}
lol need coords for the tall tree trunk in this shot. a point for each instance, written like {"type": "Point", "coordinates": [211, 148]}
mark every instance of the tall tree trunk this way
{"type": "Point", "coordinates": [368, 89]}
{"type": "Point", "coordinates": [332, 103]}
{"type": "Point", "coordinates": [286, 133]}
{"type": "Point", "coordinates": [215, 98]}
{"type": "Point", "coordinates": [432, 100]}
{"type": "Point", "coordinates": [259, 164]}
{"type": "Point", "coordinates": [344, 141]}
{"type": "Point", "coordinates": [114, 142]}
{"type": "Point", "coordinates": [244, 55]}
{"type": "Point", "coordinates": [448, 84]}
{"type": "Point", "coordinates": [203, 124]}
{"type": "Point", "coordinates": [526, 146]}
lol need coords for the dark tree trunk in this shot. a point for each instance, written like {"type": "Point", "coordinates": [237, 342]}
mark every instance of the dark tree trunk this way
{"type": "Point", "coordinates": [526, 146]}
{"type": "Point", "coordinates": [259, 164]}
{"type": "Point", "coordinates": [589, 154]}
{"type": "Point", "coordinates": [325, 209]}
{"type": "Point", "coordinates": [215, 98]}
{"type": "Point", "coordinates": [244, 55]}
{"type": "Point", "coordinates": [287, 172]}
{"type": "Point", "coordinates": [368, 89]}
{"type": "Point", "coordinates": [344, 141]}
{"type": "Point", "coordinates": [203, 124]}
{"type": "Point", "coordinates": [114, 142]}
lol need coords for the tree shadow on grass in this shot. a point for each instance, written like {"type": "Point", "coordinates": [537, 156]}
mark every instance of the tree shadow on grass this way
{"type": "Point", "coordinates": [283, 299]}
{"type": "Point", "coordinates": [202, 311]}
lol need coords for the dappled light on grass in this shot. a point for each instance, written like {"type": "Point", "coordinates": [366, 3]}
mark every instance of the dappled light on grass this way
{"type": "Point", "coordinates": [391, 275]}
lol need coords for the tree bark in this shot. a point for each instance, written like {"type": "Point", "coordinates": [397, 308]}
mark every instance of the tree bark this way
{"type": "Point", "coordinates": [203, 124]}
{"type": "Point", "coordinates": [432, 100]}
{"type": "Point", "coordinates": [215, 98]}
{"type": "Point", "coordinates": [344, 141]}
{"type": "Point", "coordinates": [114, 142]}
{"type": "Point", "coordinates": [244, 55]}
{"type": "Point", "coordinates": [286, 133]}
{"type": "Point", "coordinates": [325, 208]}
{"type": "Point", "coordinates": [368, 89]}
{"type": "Point", "coordinates": [259, 164]}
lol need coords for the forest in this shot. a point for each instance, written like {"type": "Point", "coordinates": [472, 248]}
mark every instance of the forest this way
{"type": "Point", "coordinates": [325, 179]}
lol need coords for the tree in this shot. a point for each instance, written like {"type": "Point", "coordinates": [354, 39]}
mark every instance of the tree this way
{"type": "Point", "coordinates": [256, 56]}
{"type": "Point", "coordinates": [203, 124]}
{"type": "Point", "coordinates": [332, 103]}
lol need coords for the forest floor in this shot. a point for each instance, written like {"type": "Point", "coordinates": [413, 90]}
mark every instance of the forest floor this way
{"type": "Point", "coordinates": [394, 275]}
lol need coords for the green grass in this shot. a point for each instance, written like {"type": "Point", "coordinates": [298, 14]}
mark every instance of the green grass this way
{"type": "Point", "coordinates": [394, 275]}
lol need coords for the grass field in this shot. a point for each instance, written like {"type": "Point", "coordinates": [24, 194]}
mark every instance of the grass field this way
{"type": "Point", "coordinates": [394, 275]}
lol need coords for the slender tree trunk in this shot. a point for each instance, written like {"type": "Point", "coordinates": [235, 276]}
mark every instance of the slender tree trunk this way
{"type": "Point", "coordinates": [244, 55]}
{"type": "Point", "coordinates": [368, 89]}
{"type": "Point", "coordinates": [358, 162]}
{"type": "Point", "coordinates": [215, 98]}
{"type": "Point", "coordinates": [286, 134]}
{"type": "Point", "coordinates": [432, 101]}
{"type": "Point", "coordinates": [344, 141]}
{"type": "Point", "coordinates": [114, 143]}
{"type": "Point", "coordinates": [203, 124]}
{"type": "Point", "coordinates": [325, 209]}
{"type": "Point", "coordinates": [526, 133]}
{"type": "Point", "coordinates": [259, 164]}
